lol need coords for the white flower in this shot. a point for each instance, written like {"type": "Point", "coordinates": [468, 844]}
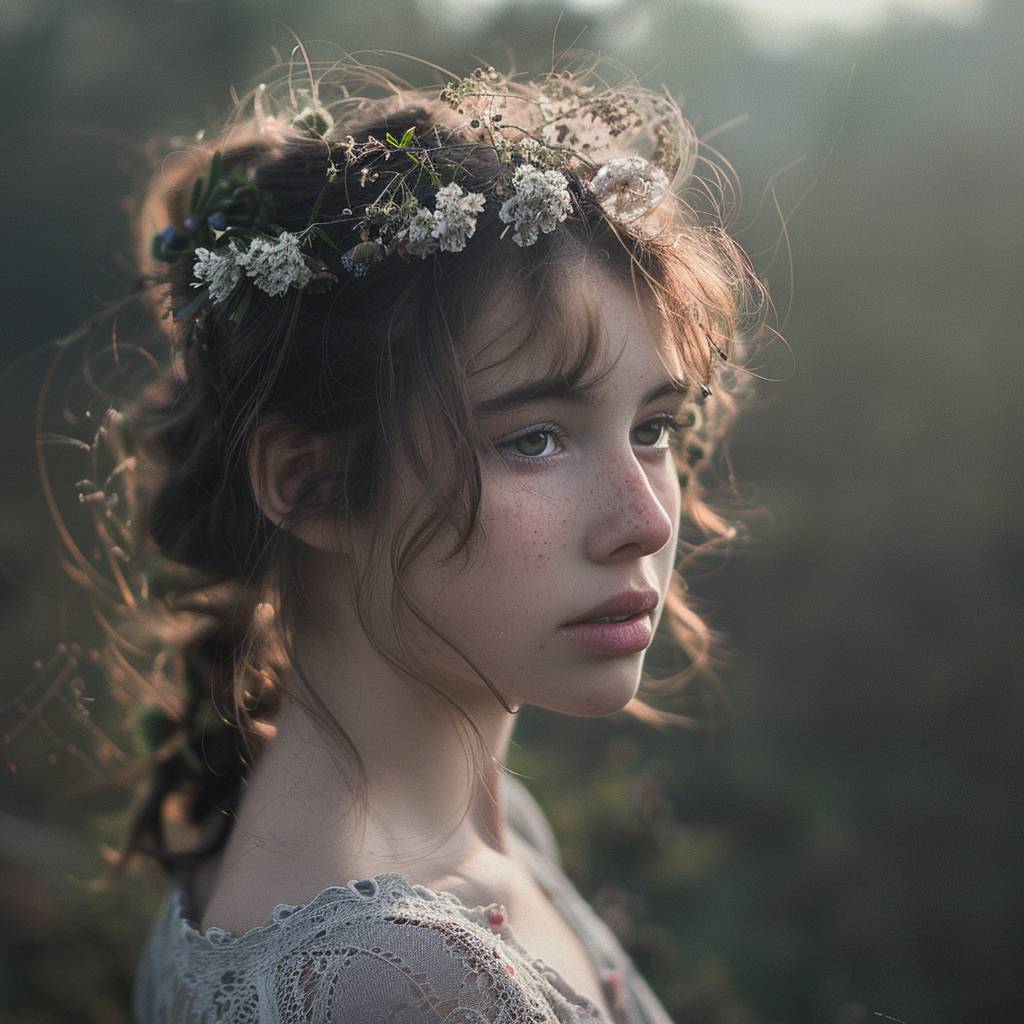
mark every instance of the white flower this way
{"type": "Point", "coordinates": [275, 266]}
{"type": "Point", "coordinates": [448, 227]}
{"type": "Point", "coordinates": [541, 200]}
{"type": "Point", "coordinates": [628, 187]}
{"type": "Point", "coordinates": [418, 233]}
{"type": "Point", "coordinates": [562, 118]}
{"type": "Point", "coordinates": [220, 269]}
{"type": "Point", "coordinates": [529, 149]}
{"type": "Point", "coordinates": [455, 216]}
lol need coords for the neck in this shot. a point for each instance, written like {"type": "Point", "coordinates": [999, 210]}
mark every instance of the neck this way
{"type": "Point", "coordinates": [302, 793]}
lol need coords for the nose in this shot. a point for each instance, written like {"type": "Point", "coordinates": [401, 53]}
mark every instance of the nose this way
{"type": "Point", "coordinates": [635, 509]}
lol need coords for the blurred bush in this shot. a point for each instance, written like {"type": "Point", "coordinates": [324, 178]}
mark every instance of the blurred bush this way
{"type": "Point", "coordinates": [850, 846]}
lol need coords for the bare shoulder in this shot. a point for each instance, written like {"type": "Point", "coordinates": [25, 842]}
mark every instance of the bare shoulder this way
{"type": "Point", "coordinates": [237, 895]}
{"type": "Point", "coordinates": [244, 896]}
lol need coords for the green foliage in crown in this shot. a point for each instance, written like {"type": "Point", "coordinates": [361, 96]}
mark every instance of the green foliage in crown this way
{"type": "Point", "coordinates": [234, 244]}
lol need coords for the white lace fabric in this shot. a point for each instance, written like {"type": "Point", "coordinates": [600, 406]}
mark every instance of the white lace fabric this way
{"type": "Point", "coordinates": [383, 950]}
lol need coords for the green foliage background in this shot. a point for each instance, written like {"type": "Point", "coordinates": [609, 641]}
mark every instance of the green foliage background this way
{"type": "Point", "coordinates": [852, 846]}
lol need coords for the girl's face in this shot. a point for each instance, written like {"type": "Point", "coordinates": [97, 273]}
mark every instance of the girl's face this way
{"type": "Point", "coordinates": [580, 502]}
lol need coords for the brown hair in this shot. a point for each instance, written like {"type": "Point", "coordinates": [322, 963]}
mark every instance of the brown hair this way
{"type": "Point", "coordinates": [208, 591]}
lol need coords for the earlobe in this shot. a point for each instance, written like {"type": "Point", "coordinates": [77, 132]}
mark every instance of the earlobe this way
{"type": "Point", "coordinates": [281, 458]}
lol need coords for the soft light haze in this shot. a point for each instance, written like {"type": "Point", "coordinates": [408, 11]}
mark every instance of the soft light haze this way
{"type": "Point", "coordinates": [773, 25]}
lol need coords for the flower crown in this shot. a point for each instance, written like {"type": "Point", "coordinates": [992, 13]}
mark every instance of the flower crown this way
{"type": "Point", "coordinates": [233, 242]}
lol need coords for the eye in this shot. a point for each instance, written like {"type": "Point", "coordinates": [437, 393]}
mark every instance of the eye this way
{"type": "Point", "coordinates": [529, 441]}
{"type": "Point", "coordinates": [667, 427]}
{"type": "Point", "coordinates": [535, 438]}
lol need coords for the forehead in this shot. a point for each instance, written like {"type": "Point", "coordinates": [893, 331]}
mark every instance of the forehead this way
{"type": "Point", "coordinates": [588, 325]}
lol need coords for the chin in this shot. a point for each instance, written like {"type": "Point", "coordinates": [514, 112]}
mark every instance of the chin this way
{"type": "Point", "coordinates": [602, 697]}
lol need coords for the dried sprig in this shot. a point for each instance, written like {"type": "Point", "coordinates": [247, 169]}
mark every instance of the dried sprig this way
{"type": "Point", "coordinates": [564, 146]}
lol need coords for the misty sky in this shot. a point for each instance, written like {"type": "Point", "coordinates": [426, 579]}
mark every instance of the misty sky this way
{"type": "Point", "coordinates": [772, 24]}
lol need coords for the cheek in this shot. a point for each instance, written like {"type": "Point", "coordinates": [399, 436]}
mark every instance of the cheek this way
{"type": "Point", "coordinates": [524, 529]}
{"type": "Point", "coordinates": [492, 602]}
{"type": "Point", "coordinates": [520, 539]}
{"type": "Point", "coordinates": [516, 554]}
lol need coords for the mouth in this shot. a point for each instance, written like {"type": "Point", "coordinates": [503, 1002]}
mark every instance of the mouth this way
{"type": "Point", "coordinates": [621, 607]}
{"type": "Point", "coordinates": [616, 635]}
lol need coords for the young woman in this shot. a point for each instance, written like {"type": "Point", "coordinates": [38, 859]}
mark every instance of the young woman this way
{"type": "Point", "coordinates": [447, 365]}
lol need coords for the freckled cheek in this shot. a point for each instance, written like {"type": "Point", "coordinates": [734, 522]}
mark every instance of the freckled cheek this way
{"type": "Point", "coordinates": [526, 531]}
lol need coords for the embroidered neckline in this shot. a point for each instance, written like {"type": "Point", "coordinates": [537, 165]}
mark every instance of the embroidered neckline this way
{"type": "Point", "coordinates": [386, 884]}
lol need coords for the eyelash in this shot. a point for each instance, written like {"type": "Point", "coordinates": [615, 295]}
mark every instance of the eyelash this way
{"type": "Point", "coordinates": [665, 420]}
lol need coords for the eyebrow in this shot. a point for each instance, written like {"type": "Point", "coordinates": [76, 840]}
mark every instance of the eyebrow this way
{"type": "Point", "coordinates": [562, 387]}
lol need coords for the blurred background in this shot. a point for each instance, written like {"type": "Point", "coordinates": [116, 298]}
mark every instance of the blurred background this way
{"type": "Point", "coordinates": [850, 849]}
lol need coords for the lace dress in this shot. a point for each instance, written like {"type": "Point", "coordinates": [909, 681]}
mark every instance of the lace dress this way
{"type": "Point", "coordinates": [383, 950]}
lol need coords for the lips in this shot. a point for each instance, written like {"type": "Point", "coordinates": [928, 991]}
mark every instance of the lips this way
{"type": "Point", "coordinates": [628, 604]}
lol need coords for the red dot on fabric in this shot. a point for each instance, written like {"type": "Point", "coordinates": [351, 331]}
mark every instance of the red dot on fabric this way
{"type": "Point", "coordinates": [510, 969]}
{"type": "Point", "coordinates": [496, 918]}
{"type": "Point", "coordinates": [614, 982]}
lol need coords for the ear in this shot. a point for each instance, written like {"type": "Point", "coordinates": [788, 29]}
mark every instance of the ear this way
{"type": "Point", "coordinates": [282, 456]}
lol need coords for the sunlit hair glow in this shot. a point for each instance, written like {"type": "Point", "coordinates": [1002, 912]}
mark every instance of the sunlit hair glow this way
{"type": "Point", "coordinates": [203, 594]}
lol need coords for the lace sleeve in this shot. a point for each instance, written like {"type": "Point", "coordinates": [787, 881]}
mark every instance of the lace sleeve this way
{"type": "Point", "coordinates": [410, 971]}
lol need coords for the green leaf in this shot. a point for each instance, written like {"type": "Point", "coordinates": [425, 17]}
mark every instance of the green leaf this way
{"type": "Point", "coordinates": [216, 197]}
{"type": "Point", "coordinates": [316, 206]}
{"type": "Point", "coordinates": [241, 234]}
{"type": "Point", "coordinates": [154, 727]}
{"type": "Point", "coordinates": [215, 166]}
{"type": "Point", "coordinates": [318, 232]}
{"type": "Point", "coordinates": [197, 188]}
{"type": "Point", "coordinates": [193, 304]}
{"type": "Point", "coordinates": [202, 205]}
{"type": "Point", "coordinates": [426, 170]}
{"type": "Point", "coordinates": [407, 139]}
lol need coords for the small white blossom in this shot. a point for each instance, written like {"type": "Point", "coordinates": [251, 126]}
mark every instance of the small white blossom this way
{"type": "Point", "coordinates": [220, 270]}
{"type": "Point", "coordinates": [447, 227]}
{"type": "Point", "coordinates": [418, 233]}
{"type": "Point", "coordinates": [528, 150]}
{"type": "Point", "coordinates": [455, 216]}
{"type": "Point", "coordinates": [563, 118]}
{"type": "Point", "coordinates": [275, 266]}
{"type": "Point", "coordinates": [628, 187]}
{"type": "Point", "coordinates": [540, 202]}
